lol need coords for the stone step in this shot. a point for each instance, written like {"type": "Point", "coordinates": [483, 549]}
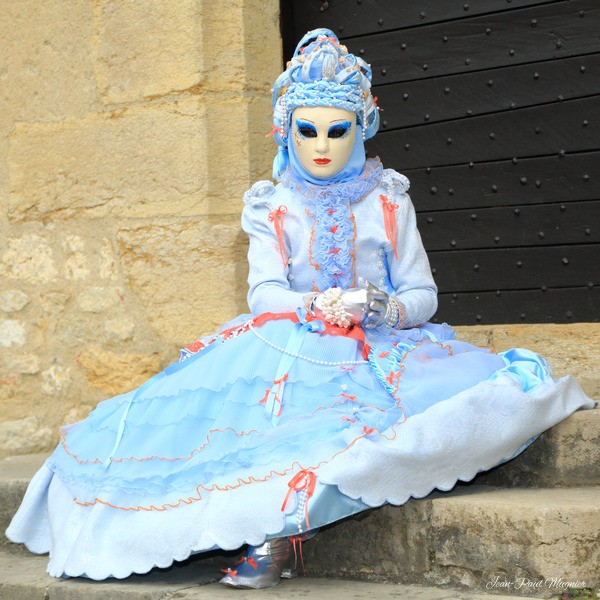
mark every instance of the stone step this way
{"type": "Point", "coordinates": [15, 475]}
{"type": "Point", "coordinates": [566, 455]}
{"type": "Point", "coordinates": [465, 537]}
{"type": "Point", "coordinates": [25, 578]}
{"type": "Point", "coordinates": [528, 541]}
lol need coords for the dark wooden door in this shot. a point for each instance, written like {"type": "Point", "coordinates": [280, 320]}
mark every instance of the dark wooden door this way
{"type": "Point", "coordinates": [492, 109]}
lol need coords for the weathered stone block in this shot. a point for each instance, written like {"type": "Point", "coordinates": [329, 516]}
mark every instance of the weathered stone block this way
{"type": "Point", "coordinates": [23, 436]}
{"type": "Point", "coordinates": [262, 42]}
{"type": "Point", "coordinates": [29, 258]}
{"type": "Point", "coordinates": [119, 329]}
{"type": "Point", "coordinates": [121, 115]}
{"type": "Point", "coordinates": [566, 455]}
{"type": "Point", "coordinates": [229, 64]}
{"type": "Point", "coordinates": [54, 302]}
{"type": "Point", "coordinates": [13, 300]}
{"type": "Point", "coordinates": [12, 333]}
{"type": "Point", "coordinates": [231, 171]}
{"type": "Point", "coordinates": [99, 299]}
{"type": "Point", "coordinates": [469, 537]}
{"type": "Point", "coordinates": [21, 363]}
{"type": "Point", "coordinates": [46, 63]}
{"type": "Point", "coordinates": [532, 534]}
{"type": "Point", "coordinates": [56, 380]}
{"type": "Point", "coordinates": [386, 543]}
{"type": "Point", "coordinates": [15, 474]}
{"type": "Point", "coordinates": [115, 373]}
{"type": "Point", "coordinates": [190, 276]}
{"type": "Point", "coordinates": [148, 49]}
{"type": "Point", "coordinates": [137, 162]}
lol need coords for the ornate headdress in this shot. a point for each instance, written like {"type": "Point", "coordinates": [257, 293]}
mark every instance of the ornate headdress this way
{"type": "Point", "coordinates": [321, 73]}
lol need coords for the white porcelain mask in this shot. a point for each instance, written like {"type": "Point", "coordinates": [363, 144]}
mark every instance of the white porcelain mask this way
{"type": "Point", "coordinates": [323, 138]}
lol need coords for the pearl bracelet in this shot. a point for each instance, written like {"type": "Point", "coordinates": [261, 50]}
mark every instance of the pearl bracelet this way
{"type": "Point", "coordinates": [396, 318]}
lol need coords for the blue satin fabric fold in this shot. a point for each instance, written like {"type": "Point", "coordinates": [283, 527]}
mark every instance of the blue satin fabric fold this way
{"type": "Point", "coordinates": [524, 367]}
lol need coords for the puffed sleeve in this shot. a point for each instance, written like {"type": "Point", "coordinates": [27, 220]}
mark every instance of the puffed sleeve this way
{"type": "Point", "coordinates": [267, 277]}
{"type": "Point", "coordinates": [410, 273]}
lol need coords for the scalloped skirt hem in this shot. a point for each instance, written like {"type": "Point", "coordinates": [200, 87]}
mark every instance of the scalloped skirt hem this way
{"type": "Point", "coordinates": [281, 446]}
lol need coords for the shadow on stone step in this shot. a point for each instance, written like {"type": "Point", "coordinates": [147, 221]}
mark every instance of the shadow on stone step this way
{"type": "Point", "coordinates": [200, 569]}
{"type": "Point", "coordinates": [567, 455]}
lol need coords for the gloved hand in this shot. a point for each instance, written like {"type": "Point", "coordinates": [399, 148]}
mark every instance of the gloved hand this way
{"type": "Point", "coordinates": [342, 307]}
{"type": "Point", "coordinates": [366, 305]}
{"type": "Point", "coordinates": [380, 308]}
{"type": "Point", "coordinates": [329, 306]}
{"type": "Point", "coordinates": [376, 305]}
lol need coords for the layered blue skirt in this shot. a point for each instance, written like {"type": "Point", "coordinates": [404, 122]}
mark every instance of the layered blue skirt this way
{"type": "Point", "coordinates": [274, 427]}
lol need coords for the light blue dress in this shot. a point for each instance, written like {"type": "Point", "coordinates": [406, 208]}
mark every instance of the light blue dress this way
{"type": "Point", "coordinates": [279, 423]}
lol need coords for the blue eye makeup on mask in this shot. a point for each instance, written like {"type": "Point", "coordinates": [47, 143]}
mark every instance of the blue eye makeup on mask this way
{"type": "Point", "coordinates": [306, 129]}
{"type": "Point", "coordinates": [339, 130]}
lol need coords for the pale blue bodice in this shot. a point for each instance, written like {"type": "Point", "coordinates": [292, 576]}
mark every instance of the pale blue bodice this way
{"type": "Point", "coordinates": [280, 277]}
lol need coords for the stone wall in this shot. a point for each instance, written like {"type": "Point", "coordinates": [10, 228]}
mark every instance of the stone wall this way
{"type": "Point", "coordinates": [128, 133]}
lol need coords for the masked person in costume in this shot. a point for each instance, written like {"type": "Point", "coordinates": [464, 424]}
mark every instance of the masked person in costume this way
{"type": "Point", "coordinates": [334, 396]}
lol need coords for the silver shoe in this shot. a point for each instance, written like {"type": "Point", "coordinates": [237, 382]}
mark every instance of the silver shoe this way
{"type": "Point", "coordinates": [263, 566]}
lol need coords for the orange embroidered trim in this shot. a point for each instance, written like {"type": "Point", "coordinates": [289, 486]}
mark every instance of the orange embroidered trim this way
{"type": "Point", "coordinates": [394, 376]}
{"type": "Point", "coordinates": [277, 217]}
{"type": "Point", "coordinates": [353, 251]}
{"type": "Point", "coordinates": [340, 402]}
{"type": "Point", "coordinates": [363, 404]}
{"type": "Point", "coordinates": [389, 220]}
{"type": "Point", "coordinates": [311, 242]}
{"type": "Point", "coordinates": [229, 487]}
{"type": "Point", "coordinates": [83, 461]}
